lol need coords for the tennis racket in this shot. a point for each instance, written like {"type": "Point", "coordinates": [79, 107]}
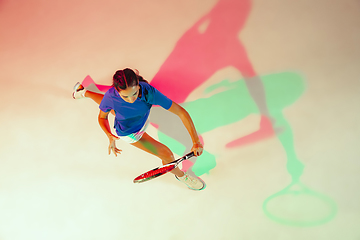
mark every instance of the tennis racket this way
{"type": "Point", "coordinates": [157, 172]}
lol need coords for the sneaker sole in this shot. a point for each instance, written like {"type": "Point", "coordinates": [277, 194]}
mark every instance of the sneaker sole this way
{"type": "Point", "coordinates": [204, 185]}
{"type": "Point", "coordinates": [77, 85]}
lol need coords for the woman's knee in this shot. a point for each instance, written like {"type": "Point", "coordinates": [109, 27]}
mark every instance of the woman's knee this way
{"type": "Point", "coordinates": [165, 154]}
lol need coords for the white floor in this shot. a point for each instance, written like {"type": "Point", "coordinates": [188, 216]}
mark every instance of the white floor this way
{"type": "Point", "coordinates": [58, 182]}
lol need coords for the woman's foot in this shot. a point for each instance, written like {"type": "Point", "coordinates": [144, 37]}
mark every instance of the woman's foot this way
{"type": "Point", "coordinates": [79, 91]}
{"type": "Point", "coordinates": [193, 183]}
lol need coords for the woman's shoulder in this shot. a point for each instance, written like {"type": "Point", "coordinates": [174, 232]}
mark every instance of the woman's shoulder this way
{"type": "Point", "coordinates": [147, 91]}
{"type": "Point", "coordinates": [111, 92]}
{"type": "Point", "coordinates": [145, 87]}
{"type": "Point", "coordinates": [144, 84]}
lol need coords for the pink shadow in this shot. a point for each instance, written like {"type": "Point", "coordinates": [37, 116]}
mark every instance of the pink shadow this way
{"type": "Point", "coordinates": [265, 131]}
{"type": "Point", "coordinates": [199, 54]}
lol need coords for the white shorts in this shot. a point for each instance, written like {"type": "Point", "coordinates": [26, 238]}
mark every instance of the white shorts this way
{"type": "Point", "coordinates": [134, 137]}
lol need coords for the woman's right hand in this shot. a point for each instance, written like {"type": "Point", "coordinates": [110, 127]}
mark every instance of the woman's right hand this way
{"type": "Point", "coordinates": [112, 145]}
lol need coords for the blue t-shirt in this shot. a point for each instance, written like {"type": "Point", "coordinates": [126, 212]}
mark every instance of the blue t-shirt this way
{"type": "Point", "coordinates": [131, 117]}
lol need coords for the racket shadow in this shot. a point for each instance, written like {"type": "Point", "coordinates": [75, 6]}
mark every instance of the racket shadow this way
{"type": "Point", "coordinates": [298, 205]}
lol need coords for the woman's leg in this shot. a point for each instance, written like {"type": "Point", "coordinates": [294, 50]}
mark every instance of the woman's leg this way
{"type": "Point", "coordinates": [150, 145]}
{"type": "Point", "coordinates": [81, 91]}
{"type": "Point", "coordinates": [96, 97]}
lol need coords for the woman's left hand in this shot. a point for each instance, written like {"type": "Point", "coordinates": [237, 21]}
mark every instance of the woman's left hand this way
{"type": "Point", "coordinates": [197, 149]}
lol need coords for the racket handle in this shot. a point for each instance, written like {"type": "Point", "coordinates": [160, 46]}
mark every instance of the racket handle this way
{"type": "Point", "coordinates": [189, 155]}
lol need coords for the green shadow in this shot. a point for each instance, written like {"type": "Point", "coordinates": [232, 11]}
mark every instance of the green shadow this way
{"type": "Point", "coordinates": [233, 103]}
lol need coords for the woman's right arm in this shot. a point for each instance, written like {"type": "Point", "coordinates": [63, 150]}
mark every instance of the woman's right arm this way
{"type": "Point", "coordinates": [104, 124]}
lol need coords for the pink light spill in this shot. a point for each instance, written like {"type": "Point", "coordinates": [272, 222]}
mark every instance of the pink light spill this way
{"type": "Point", "coordinates": [209, 45]}
{"type": "Point", "coordinates": [88, 81]}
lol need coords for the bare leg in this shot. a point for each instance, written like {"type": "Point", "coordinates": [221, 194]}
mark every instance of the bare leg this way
{"type": "Point", "coordinates": [146, 143]}
{"type": "Point", "coordinates": [150, 145]}
{"type": "Point", "coordinates": [97, 97]}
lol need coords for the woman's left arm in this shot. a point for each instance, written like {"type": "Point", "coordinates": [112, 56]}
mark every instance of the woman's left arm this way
{"type": "Point", "coordinates": [188, 123]}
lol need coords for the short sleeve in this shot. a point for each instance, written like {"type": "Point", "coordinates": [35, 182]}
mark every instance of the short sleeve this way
{"type": "Point", "coordinates": [155, 97]}
{"type": "Point", "coordinates": [106, 104]}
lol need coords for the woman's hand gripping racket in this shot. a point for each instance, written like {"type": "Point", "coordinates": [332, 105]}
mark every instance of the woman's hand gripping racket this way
{"type": "Point", "coordinates": [157, 172]}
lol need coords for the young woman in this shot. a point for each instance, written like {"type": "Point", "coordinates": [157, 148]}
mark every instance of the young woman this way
{"type": "Point", "coordinates": [130, 99]}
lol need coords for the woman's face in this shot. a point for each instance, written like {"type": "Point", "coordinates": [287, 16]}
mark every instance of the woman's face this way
{"type": "Point", "coordinates": [130, 94]}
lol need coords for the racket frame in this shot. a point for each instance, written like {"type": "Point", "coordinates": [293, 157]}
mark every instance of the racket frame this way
{"type": "Point", "coordinates": [173, 163]}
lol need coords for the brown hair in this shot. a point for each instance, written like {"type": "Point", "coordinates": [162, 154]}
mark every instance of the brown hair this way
{"type": "Point", "coordinates": [126, 78]}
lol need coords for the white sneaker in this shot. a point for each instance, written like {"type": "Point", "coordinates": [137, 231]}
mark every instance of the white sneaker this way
{"type": "Point", "coordinates": [79, 91]}
{"type": "Point", "coordinates": [193, 183]}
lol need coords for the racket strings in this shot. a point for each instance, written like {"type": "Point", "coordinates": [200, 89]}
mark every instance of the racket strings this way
{"type": "Point", "coordinates": [157, 171]}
